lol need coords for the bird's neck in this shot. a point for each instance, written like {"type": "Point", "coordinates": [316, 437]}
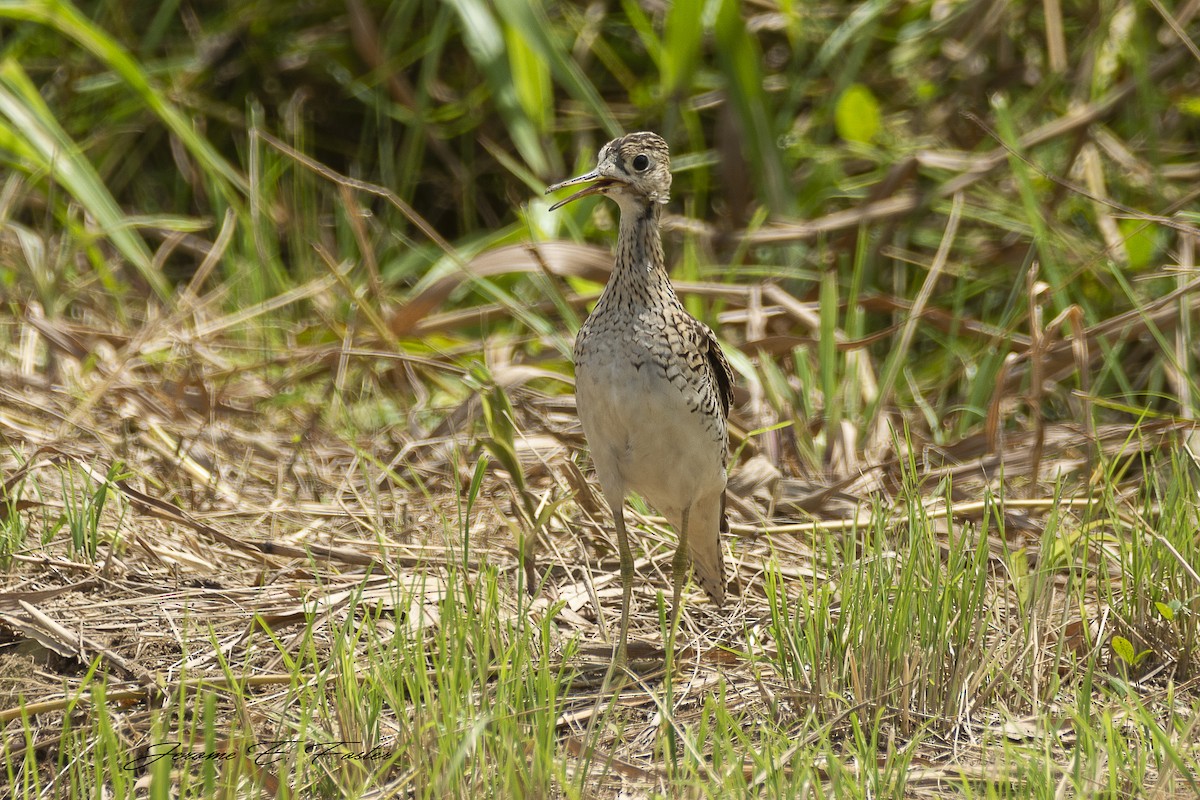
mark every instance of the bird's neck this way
{"type": "Point", "coordinates": [639, 271]}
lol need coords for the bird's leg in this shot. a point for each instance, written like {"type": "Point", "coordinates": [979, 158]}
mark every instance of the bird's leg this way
{"type": "Point", "coordinates": [679, 565]}
{"type": "Point", "coordinates": [621, 657]}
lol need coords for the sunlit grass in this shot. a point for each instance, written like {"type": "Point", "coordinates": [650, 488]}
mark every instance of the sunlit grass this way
{"type": "Point", "coordinates": [219, 231]}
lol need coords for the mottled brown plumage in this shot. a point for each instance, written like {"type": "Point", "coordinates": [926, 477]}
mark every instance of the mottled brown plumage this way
{"type": "Point", "coordinates": [652, 385]}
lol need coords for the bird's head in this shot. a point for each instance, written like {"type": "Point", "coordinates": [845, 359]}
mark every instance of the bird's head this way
{"type": "Point", "coordinates": [634, 168]}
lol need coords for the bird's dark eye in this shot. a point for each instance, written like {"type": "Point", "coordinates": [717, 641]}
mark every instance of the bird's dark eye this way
{"type": "Point", "coordinates": [641, 162]}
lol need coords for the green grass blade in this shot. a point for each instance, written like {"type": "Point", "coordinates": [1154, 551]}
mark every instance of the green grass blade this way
{"type": "Point", "coordinates": [530, 19]}
{"type": "Point", "coordinates": [683, 35]}
{"type": "Point", "coordinates": [486, 42]}
{"type": "Point", "coordinates": [36, 138]}
{"type": "Point", "coordinates": [66, 19]}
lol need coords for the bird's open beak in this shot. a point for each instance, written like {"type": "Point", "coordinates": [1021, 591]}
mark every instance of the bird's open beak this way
{"type": "Point", "coordinates": [596, 188]}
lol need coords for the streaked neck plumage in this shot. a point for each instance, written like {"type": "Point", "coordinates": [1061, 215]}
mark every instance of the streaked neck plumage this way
{"type": "Point", "coordinates": [639, 270]}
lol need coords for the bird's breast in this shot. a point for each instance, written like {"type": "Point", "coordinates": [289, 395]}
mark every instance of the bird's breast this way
{"type": "Point", "coordinates": [648, 414]}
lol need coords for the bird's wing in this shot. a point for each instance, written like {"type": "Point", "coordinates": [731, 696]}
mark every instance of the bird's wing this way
{"type": "Point", "coordinates": [718, 366]}
{"type": "Point", "coordinates": [722, 374]}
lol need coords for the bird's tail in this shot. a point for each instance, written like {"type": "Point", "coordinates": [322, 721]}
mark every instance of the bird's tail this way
{"type": "Point", "coordinates": [705, 524]}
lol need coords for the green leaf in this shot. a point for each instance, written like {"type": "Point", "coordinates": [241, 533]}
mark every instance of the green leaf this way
{"type": "Point", "coordinates": [1167, 612]}
{"type": "Point", "coordinates": [1141, 242]}
{"type": "Point", "coordinates": [1189, 104]}
{"type": "Point", "coordinates": [1018, 567]}
{"type": "Point", "coordinates": [857, 114]}
{"type": "Point", "coordinates": [1124, 649]}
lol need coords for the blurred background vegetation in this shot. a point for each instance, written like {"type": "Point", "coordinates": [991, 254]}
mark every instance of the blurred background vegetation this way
{"type": "Point", "coordinates": [818, 145]}
{"type": "Point", "coordinates": [283, 311]}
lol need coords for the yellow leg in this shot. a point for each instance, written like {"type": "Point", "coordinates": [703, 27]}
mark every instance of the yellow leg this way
{"type": "Point", "coordinates": [679, 567]}
{"type": "Point", "coordinates": [621, 656]}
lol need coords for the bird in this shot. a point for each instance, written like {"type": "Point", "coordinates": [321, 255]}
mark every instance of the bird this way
{"type": "Point", "coordinates": [653, 388]}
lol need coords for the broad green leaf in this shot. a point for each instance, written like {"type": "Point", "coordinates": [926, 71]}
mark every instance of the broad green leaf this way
{"type": "Point", "coordinates": [1124, 649]}
{"type": "Point", "coordinates": [857, 114]}
{"type": "Point", "coordinates": [1141, 242]}
{"type": "Point", "coordinates": [1018, 568]}
{"type": "Point", "coordinates": [1189, 104]}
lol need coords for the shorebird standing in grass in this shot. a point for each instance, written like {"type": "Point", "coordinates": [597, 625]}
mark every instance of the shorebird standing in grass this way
{"type": "Point", "coordinates": [651, 383]}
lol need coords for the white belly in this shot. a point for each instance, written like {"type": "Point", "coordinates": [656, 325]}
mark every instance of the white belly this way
{"type": "Point", "coordinates": [645, 436]}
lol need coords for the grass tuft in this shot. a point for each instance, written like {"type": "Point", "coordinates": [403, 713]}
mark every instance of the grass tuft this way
{"type": "Point", "coordinates": [293, 497]}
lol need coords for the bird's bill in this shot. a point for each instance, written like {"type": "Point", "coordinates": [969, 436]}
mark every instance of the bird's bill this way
{"type": "Point", "coordinates": [596, 188]}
